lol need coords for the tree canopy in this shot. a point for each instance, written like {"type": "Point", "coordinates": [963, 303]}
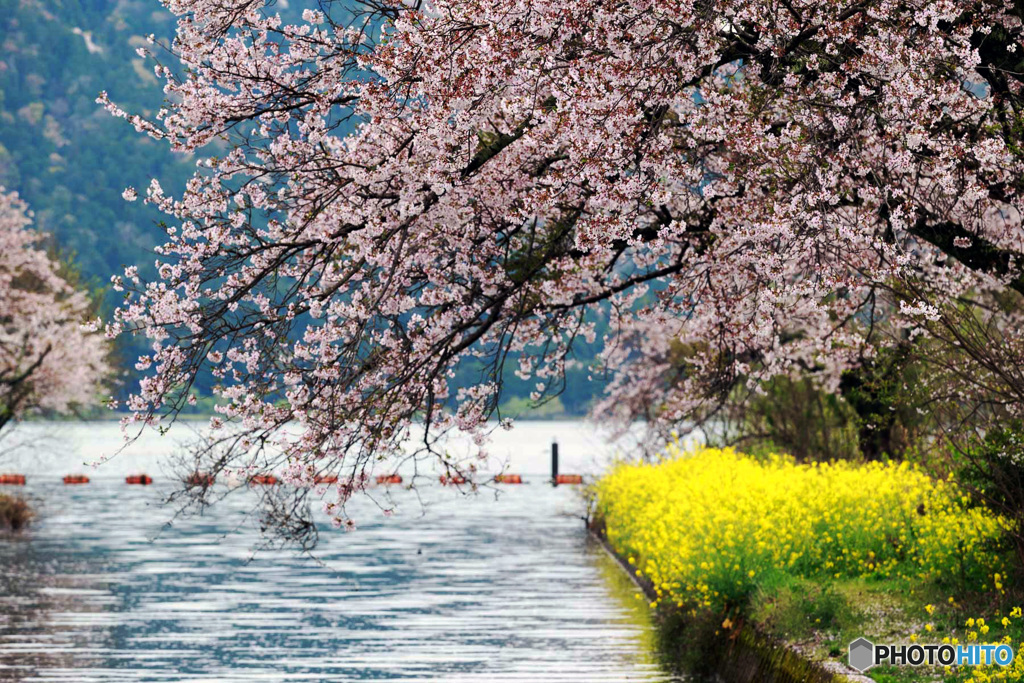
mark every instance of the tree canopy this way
{"type": "Point", "coordinates": [51, 355]}
{"type": "Point", "coordinates": [738, 190]}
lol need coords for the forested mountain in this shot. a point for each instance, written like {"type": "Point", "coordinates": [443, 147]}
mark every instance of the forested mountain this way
{"type": "Point", "coordinates": [65, 155]}
{"type": "Point", "coordinates": [71, 160]}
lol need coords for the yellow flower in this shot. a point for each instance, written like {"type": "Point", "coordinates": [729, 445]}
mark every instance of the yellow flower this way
{"type": "Point", "coordinates": [691, 522]}
{"type": "Point", "coordinates": [930, 609]}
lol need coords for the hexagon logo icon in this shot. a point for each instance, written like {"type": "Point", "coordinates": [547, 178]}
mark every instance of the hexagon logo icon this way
{"type": "Point", "coordinates": [862, 654]}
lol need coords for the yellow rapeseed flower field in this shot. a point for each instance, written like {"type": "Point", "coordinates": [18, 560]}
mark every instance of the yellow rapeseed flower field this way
{"type": "Point", "coordinates": [706, 527]}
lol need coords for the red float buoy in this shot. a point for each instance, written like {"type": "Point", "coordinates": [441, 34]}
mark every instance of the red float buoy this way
{"type": "Point", "coordinates": [569, 479]}
{"type": "Point", "coordinates": [140, 479]}
{"type": "Point", "coordinates": [76, 479]}
{"type": "Point", "coordinates": [508, 479]}
{"type": "Point", "coordinates": [452, 479]}
{"type": "Point", "coordinates": [326, 479]}
{"type": "Point", "coordinates": [265, 479]}
{"type": "Point", "coordinates": [200, 479]}
{"type": "Point", "coordinates": [12, 479]}
{"type": "Point", "coordinates": [389, 479]}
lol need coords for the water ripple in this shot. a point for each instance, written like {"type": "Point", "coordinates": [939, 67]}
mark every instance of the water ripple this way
{"type": "Point", "coordinates": [465, 590]}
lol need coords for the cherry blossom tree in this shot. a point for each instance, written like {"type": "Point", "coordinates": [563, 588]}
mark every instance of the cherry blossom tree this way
{"type": "Point", "coordinates": [51, 357]}
{"type": "Point", "coordinates": [743, 189]}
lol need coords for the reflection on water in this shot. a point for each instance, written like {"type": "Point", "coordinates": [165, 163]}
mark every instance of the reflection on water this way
{"type": "Point", "coordinates": [459, 590]}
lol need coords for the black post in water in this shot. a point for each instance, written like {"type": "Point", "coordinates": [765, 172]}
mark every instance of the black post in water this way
{"type": "Point", "coordinates": [554, 462]}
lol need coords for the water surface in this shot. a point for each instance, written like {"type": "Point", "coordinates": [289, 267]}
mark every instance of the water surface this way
{"type": "Point", "coordinates": [448, 588]}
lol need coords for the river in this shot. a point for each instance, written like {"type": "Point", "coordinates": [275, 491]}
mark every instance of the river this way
{"type": "Point", "coordinates": [500, 586]}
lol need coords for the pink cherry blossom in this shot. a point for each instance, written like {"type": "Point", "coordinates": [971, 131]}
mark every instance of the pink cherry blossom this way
{"type": "Point", "coordinates": [739, 188]}
{"type": "Point", "coordinates": [51, 355]}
